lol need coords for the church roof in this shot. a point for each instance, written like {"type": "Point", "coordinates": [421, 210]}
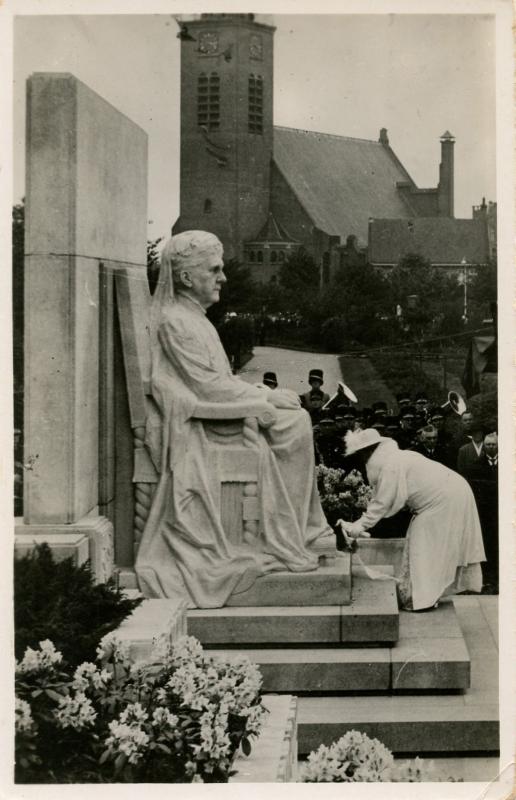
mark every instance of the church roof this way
{"type": "Point", "coordinates": [341, 182]}
{"type": "Point", "coordinates": [442, 240]}
{"type": "Point", "coordinates": [273, 233]}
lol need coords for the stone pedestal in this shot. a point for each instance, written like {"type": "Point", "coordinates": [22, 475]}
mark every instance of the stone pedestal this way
{"type": "Point", "coordinates": [151, 621]}
{"type": "Point", "coordinates": [89, 538]}
{"type": "Point", "coordinates": [86, 219]}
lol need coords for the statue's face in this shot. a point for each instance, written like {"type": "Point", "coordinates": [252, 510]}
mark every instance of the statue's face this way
{"type": "Point", "coordinates": [205, 282]}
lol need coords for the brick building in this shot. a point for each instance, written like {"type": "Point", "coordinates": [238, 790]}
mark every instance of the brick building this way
{"type": "Point", "coordinates": [267, 190]}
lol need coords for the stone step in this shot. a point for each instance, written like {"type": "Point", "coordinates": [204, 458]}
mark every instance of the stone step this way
{"type": "Point", "coordinates": [430, 654]}
{"type": "Point", "coordinates": [326, 586]}
{"type": "Point", "coordinates": [405, 724]}
{"type": "Point", "coordinates": [372, 617]}
{"type": "Point", "coordinates": [429, 723]}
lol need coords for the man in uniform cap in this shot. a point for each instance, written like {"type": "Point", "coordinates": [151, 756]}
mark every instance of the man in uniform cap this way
{"type": "Point", "coordinates": [380, 409]}
{"type": "Point", "coordinates": [314, 400]}
{"type": "Point", "coordinates": [405, 437]}
{"type": "Point", "coordinates": [402, 399]}
{"type": "Point", "coordinates": [345, 417]}
{"type": "Point", "coordinates": [392, 426]}
{"type": "Point", "coordinates": [421, 403]}
{"type": "Point", "coordinates": [270, 380]}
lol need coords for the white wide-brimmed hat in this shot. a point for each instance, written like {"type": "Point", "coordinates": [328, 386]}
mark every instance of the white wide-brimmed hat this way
{"type": "Point", "coordinates": [357, 440]}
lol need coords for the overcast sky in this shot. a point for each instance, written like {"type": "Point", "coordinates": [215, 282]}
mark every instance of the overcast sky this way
{"type": "Point", "coordinates": [417, 76]}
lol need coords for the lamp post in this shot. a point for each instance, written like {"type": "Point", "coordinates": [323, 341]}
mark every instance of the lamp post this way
{"type": "Point", "coordinates": [464, 281]}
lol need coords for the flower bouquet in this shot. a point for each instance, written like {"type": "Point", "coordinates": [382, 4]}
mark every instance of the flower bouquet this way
{"type": "Point", "coordinates": [180, 717]}
{"type": "Point", "coordinates": [343, 495]}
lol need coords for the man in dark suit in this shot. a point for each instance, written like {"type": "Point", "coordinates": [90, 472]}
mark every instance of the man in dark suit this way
{"type": "Point", "coordinates": [484, 483]}
{"type": "Point", "coordinates": [429, 446]}
{"type": "Point", "coordinates": [469, 454]}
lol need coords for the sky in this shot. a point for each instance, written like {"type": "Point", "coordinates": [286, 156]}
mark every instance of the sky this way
{"type": "Point", "coordinates": [346, 74]}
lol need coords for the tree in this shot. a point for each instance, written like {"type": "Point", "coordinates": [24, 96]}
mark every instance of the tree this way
{"type": "Point", "coordinates": [429, 298]}
{"type": "Point", "coordinates": [238, 294]}
{"type": "Point", "coordinates": [153, 262]}
{"type": "Point", "coordinates": [298, 283]}
{"type": "Point", "coordinates": [482, 292]}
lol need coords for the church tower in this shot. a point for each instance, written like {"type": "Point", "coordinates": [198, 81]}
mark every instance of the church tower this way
{"type": "Point", "coordinates": [226, 127]}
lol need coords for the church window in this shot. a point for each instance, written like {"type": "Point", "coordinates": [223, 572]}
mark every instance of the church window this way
{"type": "Point", "coordinates": [260, 257]}
{"type": "Point", "coordinates": [252, 256]}
{"type": "Point", "coordinates": [207, 206]}
{"type": "Point", "coordinates": [208, 101]}
{"type": "Point", "coordinates": [255, 100]}
{"type": "Point", "coordinates": [281, 255]}
{"type": "Point", "coordinates": [274, 256]}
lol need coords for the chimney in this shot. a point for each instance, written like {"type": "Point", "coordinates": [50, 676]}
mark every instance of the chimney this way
{"type": "Point", "coordinates": [384, 139]}
{"type": "Point", "coordinates": [445, 188]}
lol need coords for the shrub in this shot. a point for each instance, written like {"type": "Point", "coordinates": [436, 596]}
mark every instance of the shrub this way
{"type": "Point", "coordinates": [356, 758]}
{"type": "Point", "coordinates": [179, 717]}
{"type": "Point", "coordinates": [333, 334]}
{"type": "Point", "coordinates": [59, 601]}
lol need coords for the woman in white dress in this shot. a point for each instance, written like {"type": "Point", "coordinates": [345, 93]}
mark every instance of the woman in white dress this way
{"type": "Point", "coordinates": [444, 547]}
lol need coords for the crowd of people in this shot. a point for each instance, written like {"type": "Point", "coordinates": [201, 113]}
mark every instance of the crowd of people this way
{"type": "Point", "coordinates": [460, 442]}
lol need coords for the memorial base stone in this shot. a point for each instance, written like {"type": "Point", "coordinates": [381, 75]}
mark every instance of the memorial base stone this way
{"type": "Point", "coordinates": [91, 538]}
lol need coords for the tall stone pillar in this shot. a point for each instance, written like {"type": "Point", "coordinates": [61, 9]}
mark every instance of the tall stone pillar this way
{"type": "Point", "coordinates": [86, 214]}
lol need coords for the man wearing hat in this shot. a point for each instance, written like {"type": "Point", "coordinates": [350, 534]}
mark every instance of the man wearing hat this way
{"type": "Point", "coordinates": [421, 403]}
{"type": "Point", "coordinates": [407, 432]}
{"type": "Point", "coordinates": [380, 409]}
{"type": "Point", "coordinates": [270, 380]}
{"type": "Point", "coordinates": [402, 399]}
{"type": "Point", "coordinates": [185, 551]}
{"type": "Point", "coordinates": [314, 400]}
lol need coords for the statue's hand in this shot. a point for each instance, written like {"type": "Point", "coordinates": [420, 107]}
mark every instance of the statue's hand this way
{"type": "Point", "coordinates": [284, 398]}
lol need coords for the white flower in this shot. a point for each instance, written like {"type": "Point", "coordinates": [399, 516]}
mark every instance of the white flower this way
{"type": "Point", "coordinates": [23, 716]}
{"type": "Point", "coordinates": [128, 739]}
{"type": "Point", "coordinates": [110, 647]}
{"type": "Point", "coordinates": [34, 661]}
{"type": "Point", "coordinates": [88, 674]}
{"type": "Point", "coordinates": [133, 714]}
{"type": "Point", "coordinates": [75, 712]}
{"type": "Point", "coordinates": [162, 716]}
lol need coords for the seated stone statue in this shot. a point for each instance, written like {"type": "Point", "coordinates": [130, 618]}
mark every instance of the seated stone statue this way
{"type": "Point", "coordinates": [184, 549]}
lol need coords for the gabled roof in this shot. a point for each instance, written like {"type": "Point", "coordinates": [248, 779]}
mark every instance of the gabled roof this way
{"type": "Point", "coordinates": [442, 240]}
{"type": "Point", "coordinates": [341, 181]}
{"type": "Point", "coordinates": [273, 233]}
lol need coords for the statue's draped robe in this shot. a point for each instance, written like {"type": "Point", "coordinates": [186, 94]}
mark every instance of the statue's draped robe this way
{"type": "Point", "coordinates": [184, 550]}
{"type": "Point", "coordinates": [444, 547]}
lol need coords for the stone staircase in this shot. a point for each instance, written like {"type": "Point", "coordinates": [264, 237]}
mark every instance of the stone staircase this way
{"type": "Point", "coordinates": [357, 662]}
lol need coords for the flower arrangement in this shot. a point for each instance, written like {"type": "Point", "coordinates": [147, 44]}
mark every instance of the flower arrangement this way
{"type": "Point", "coordinates": [179, 717]}
{"type": "Point", "coordinates": [355, 757]}
{"type": "Point", "coordinates": [342, 495]}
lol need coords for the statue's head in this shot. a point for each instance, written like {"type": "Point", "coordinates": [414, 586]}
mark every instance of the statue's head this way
{"type": "Point", "coordinates": [193, 261]}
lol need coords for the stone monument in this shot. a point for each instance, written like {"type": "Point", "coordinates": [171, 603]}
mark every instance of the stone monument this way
{"type": "Point", "coordinates": [86, 207]}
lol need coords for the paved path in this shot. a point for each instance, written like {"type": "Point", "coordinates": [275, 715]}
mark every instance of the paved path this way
{"type": "Point", "coordinates": [292, 368]}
